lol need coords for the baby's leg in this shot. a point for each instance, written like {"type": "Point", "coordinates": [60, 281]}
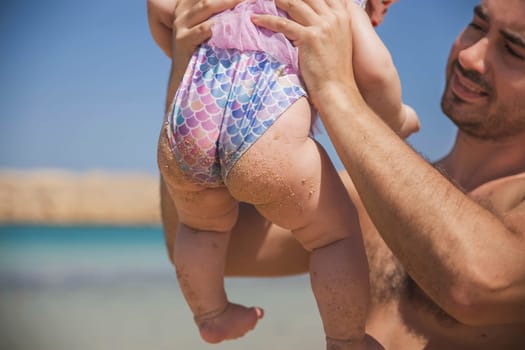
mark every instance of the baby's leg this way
{"type": "Point", "coordinates": [290, 179]}
{"type": "Point", "coordinates": [206, 217]}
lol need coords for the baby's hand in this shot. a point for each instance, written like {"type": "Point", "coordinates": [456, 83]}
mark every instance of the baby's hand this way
{"type": "Point", "coordinates": [377, 10]}
{"type": "Point", "coordinates": [411, 122]}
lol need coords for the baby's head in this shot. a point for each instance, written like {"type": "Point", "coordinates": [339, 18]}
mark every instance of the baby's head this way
{"type": "Point", "coordinates": [377, 9]}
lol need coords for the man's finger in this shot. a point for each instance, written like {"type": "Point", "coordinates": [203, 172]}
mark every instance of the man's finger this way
{"type": "Point", "coordinates": [292, 30]}
{"type": "Point", "coordinates": [194, 36]}
{"type": "Point", "coordinates": [201, 32]}
{"type": "Point", "coordinates": [333, 3]}
{"type": "Point", "coordinates": [300, 11]}
{"type": "Point", "coordinates": [292, 7]}
{"type": "Point", "coordinates": [204, 9]}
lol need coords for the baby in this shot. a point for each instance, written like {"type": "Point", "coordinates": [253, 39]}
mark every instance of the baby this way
{"type": "Point", "coordinates": [239, 130]}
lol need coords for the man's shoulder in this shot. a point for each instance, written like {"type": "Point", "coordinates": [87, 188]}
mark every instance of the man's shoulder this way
{"type": "Point", "coordinates": [505, 197]}
{"type": "Point", "coordinates": [503, 193]}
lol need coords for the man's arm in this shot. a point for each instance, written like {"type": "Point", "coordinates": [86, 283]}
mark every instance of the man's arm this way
{"type": "Point", "coordinates": [468, 260]}
{"type": "Point", "coordinates": [463, 256]}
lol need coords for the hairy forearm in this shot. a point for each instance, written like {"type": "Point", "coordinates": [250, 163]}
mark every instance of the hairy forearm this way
{"type": "Point", "coordinates": [444, 240]}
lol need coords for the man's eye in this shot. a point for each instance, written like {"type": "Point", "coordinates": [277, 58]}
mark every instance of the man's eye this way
{"type": "Point", "coordinates": [475, 26]}
{"type": "Point", "coordinates": [514, 53]}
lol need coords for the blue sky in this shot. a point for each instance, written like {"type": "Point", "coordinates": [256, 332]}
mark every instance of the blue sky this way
{"type": "Point", "coordinates": [82, 84]}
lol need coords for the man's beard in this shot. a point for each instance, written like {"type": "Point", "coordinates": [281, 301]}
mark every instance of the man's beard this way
{"type": "Point", "coordinates": [483, 124]}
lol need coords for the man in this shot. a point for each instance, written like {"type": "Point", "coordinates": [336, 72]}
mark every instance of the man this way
{"type": "Point", "coordinates": [447, 247]}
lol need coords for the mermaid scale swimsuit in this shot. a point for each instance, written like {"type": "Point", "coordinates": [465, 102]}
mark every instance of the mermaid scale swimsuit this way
{"type": "Point", "coordinates": [229, 97]}
{"type": "Point", "coordinates": [225, 103]}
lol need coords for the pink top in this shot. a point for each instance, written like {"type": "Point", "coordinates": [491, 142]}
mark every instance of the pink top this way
{"type": "Point", "coordinates": [233, 29]}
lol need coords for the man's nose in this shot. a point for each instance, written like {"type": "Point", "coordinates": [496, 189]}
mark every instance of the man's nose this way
{"type": "Point", "coordinates": [474, 57]}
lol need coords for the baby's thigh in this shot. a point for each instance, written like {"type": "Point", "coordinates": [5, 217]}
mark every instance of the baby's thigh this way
{"type": "Point", "coordinates": [291, 180]}
{"type": "Point", "coordinates": [198, 206]}
{"type": "Point", "coordinates": [262, 174]}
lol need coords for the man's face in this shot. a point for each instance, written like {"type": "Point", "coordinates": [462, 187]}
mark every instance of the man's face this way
{"type": "Point", "coordinates": [485, 91]}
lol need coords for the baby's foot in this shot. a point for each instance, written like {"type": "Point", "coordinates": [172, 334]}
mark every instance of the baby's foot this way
{"type": "Point", "coordinates": [233, 322]}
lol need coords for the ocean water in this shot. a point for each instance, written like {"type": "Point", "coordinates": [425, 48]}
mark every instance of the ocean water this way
{"type": "Point", "coordinates": [94, 288]}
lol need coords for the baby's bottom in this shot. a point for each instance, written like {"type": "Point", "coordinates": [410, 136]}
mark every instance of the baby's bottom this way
{"type": "Point", "coordinates": [291, 181]}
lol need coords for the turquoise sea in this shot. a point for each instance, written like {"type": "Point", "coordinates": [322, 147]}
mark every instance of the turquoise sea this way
{"type": "Point", "coordinates": [91, 288]}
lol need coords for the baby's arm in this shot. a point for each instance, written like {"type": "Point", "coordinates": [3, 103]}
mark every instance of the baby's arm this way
{"type": "Point", "coordinates": [160, 19]}
{"type": "Point", "coordinates": [377, 76]}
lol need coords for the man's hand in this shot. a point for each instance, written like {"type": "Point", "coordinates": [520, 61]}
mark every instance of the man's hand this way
{"type": "Point", "coordinates": [321, 29]}
{"type": "Point", "coordinates": [192, 24]}
{"type": "Point", "coordinates": [178, 27]}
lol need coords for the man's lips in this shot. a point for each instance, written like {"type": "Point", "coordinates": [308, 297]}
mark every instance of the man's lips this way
{"type": "Point", "coordinates": [465, 89]}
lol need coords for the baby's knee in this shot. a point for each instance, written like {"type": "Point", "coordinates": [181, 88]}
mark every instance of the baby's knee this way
{"type": "Point", "coordinates": [220, 221]}
{"type": "Point", "coordinates": [312, 239]}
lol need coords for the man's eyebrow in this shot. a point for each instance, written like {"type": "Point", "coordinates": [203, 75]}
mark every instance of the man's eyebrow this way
{"type": "Point", "coordinates": [513, 37]}
{"type": "Point", "coordinates": [481, 12]}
